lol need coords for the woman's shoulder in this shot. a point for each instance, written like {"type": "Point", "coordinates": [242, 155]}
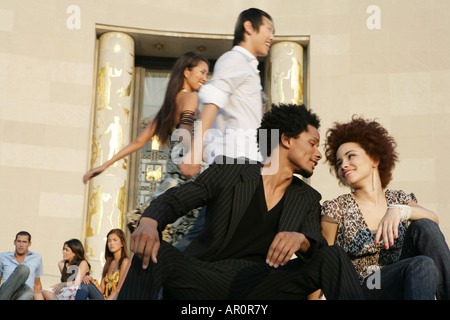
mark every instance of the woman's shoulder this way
{"type": "Point", "coordinates": [84, 264]}
{"type": "Point", "coordinates": [334, 208]}
{"type": "Point", "coordinates": [124, 263]}
{"type": "Point", "coordinates": [188, 101]}
{"type": "Point", "coordinates": [342, 199]}
{"type": "Point", "coordinates": [188, 96]}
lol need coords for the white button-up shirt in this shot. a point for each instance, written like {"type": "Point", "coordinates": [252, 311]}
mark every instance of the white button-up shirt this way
{"type": "Point", "coordinates": [235, 88]}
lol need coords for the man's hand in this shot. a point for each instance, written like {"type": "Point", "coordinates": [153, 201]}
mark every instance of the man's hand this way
{"type": "Point", "coordinates": [145, 241]}
{"type": "Point", "coordinates": [283, 247]}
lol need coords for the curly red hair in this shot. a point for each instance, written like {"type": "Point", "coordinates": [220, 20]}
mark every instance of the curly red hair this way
{"type": "Point", "coordinates": [371, 136]}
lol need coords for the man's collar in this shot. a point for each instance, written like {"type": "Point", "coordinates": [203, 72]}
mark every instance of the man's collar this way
{"type": "Point", "coordinates": [244, 51]}
{"type": "Point", "coordinates": [29, 253]}
{"type": "Point", "coordinates": [251, 58]}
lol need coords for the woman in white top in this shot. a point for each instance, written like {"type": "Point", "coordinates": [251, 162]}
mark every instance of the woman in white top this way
{"type": "Point", "coordinates": [73, 268]}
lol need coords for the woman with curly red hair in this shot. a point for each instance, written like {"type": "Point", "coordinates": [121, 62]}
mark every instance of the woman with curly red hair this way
{"type": "Point", "coordinates": [395, 244]}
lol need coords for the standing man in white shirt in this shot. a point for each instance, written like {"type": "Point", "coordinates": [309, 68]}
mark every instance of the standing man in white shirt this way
{"type": "Point", "coordinates": [20, 271]}
{"type": "Point", "coordinates": [232, 99]}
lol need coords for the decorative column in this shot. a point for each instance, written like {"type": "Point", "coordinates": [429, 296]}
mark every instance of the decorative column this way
{"type": "Point", "coordinates": [111, 132]}
{"type": "Point", "coordinates": [286, 73]}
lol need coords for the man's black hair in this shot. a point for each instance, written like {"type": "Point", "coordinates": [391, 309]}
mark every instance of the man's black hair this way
{"type": "Point", "coordinates": [255, 16]}
{"type": "Point", "coordinates": [288, 119]}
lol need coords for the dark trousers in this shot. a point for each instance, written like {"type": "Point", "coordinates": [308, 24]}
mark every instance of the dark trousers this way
{"type": "Point", "coordinates": [186, 278]}
{"type": "Point", "coordinates": [413, 278]}
{"type": "Point", "coordinates": [423, 271]}
{"type": "Point", "coordinates": [424, 237]}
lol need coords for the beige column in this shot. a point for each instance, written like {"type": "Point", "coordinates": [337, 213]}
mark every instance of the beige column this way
{"type": "Point", "coordinates": [286, 73]}
{"type": "Point", "coordinates": [111, 132]}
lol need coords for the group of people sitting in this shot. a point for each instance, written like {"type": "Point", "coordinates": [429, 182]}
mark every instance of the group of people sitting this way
{"type": "Point", "coordinates": [265, 233]}
{"type": "Point", "coordinates": [252, 227]}
{"type": "Point", "coordinates": [22, 269]}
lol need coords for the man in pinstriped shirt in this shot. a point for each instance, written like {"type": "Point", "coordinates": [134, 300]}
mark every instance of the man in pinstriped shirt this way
{"type": "Point", "coordinates": [255, 223]}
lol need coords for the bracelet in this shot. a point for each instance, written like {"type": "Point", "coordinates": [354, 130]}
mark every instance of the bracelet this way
{"type": "Point", "coordinates": [405, 211]}
{"type": "Point", "coordinates": [187, 117]}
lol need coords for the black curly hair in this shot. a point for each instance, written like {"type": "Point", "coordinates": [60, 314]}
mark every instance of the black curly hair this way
{"type": "Point", "coordinates": [289, 119]}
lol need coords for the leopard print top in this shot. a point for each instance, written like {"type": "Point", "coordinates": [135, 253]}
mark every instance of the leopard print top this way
{"type": "Point", "coordinates": [355, 237]}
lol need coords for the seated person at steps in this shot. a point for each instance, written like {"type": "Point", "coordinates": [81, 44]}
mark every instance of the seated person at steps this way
{"type": "Point", "coordinates": [231, 260]}
{"type": "Point", "coordinates": [116, 261]}
{"type": "Point", "coordinates": [386, 232]}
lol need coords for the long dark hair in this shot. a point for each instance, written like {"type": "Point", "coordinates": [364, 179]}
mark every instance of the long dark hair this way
{"type": "Point", "coordinates": [109, 256]}
{"type": "Point", "coordinates": [165, 120]}
{"type": "Point", "coordinates": [77, 248]}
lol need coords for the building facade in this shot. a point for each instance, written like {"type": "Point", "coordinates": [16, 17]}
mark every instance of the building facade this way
{"type": "Point", "coordinates": [80, 79]}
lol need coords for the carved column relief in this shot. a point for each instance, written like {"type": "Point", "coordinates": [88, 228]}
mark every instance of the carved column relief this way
{"type": "Point", "coordinates": [286, 73]}
{"type": "Point", "coordinates": [111, 132]}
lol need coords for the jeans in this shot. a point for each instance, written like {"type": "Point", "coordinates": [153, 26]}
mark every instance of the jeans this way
{"type": "Point", "coordinates": [15, 288]}
{"type": "Point", "coordinates": [425, 238]}
{"type": "Point", "coordinates": [409, 279]}
{"type": "Point", "coordinates": [422, 273]}
{"type": "Point", "coordinates": [88, 292]}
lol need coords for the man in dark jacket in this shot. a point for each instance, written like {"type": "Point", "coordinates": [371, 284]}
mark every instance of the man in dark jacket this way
{"type": "Point", "coordinates": [262, 236]}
